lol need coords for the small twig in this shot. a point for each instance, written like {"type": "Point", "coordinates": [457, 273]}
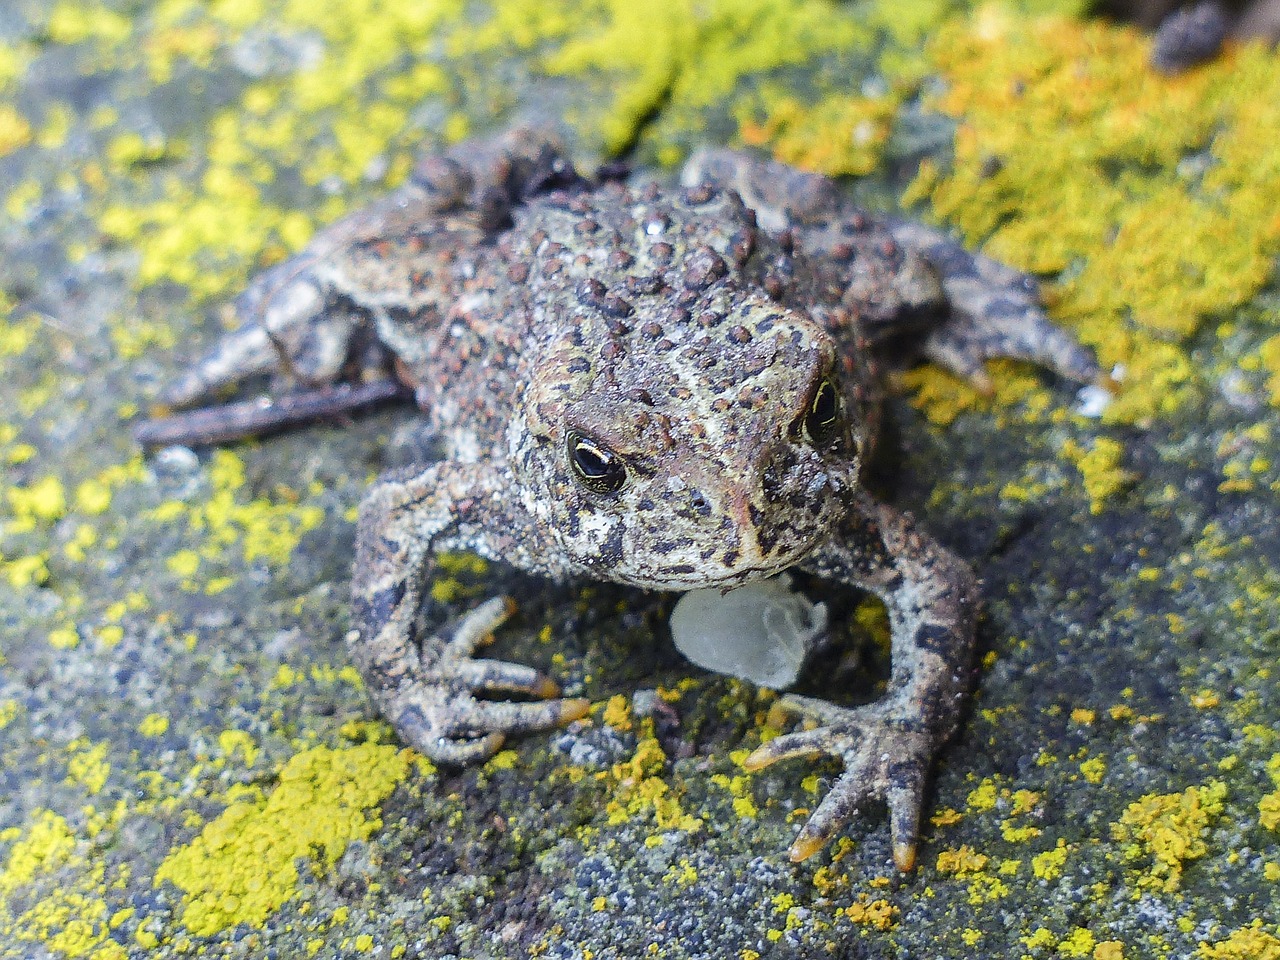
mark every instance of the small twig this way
{"type": "Point", "coordinates": [207, 426]}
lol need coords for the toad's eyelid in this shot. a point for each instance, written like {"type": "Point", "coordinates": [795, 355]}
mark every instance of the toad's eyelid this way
{"type": "Point", "coordinates": [824, 373]}
{"type": "Point", "coordinates": [598, 430]}
{"type": "Point", "coordinates": [819, 373]}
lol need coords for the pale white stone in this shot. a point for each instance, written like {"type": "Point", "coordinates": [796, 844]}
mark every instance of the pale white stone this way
{"type": "Point", "coordinates": [761, 632]}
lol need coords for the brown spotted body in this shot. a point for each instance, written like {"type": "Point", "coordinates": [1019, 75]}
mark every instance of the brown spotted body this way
{"type": "Point", "coordinates": [668, 388]}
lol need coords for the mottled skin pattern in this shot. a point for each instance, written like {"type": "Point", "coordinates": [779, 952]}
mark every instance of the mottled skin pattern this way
{"type": "Point", "coordinates": [670, 389]}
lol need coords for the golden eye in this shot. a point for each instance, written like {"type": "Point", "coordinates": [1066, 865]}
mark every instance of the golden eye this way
{"type": "Point", "coordinates": [822, 419]}
{"type": "Point", "coordinates": [595, 466]}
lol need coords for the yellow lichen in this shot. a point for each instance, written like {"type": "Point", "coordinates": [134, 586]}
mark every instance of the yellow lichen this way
{"type": "Point", "coordinates": [202, 233]}
{"type": "Point", "coordinates": [963, 860]}
{"type": "Point", "coordinates": [1093, 769]}
{"type": "Point", "coordinates": [350, 114]}
{"type": "Point", "coordinates": [942, 397]}
{"type": "Point", "coordinates": [838, 136]}
{"type": "Point", "coordinates": [47, 845]}
{"type": "Point", "coordinates": [984, 796]}
{"type": "Point", "coordinates": [449, 584]}
{"type": "Point", "coordinates": [88, 765]}
{"type": "Point", "coordinates": [878, 914]}
{"type": "Point", "coordinates": [42, 501]}
{"type": "Point", "coordinates": [262, 528]}
{"type": "Point", "coordinates": [1079, 943]}
{"type": "Point", "coordinates": [153, 725]}
{"type": "Point", "coordinates": [1169, 829]}
{"type": "Point", "coordinates": [1100, 469]}
{"type": "Point", "coordinates": [1269, 355]}
{"type": "Point", "coordinates": [503, 760]}
{"type": "Point", "coordinates": [71, 916]}
{"type": "Point", "coordinates": [241, 867]}
{"type": "Point", "coordinates": [1269, 805]}
{"type": "Point", "coordinates": [16, 336]}
{"type": "Point", "coordinates": [184, 563]}
{"type": "Point", "coordinates": [233, 742]}
{"type": "Point", "coordinates": [70, 22]}
{"type": "Point", "coordinates": [744, 804]}
{"type": "Point", "coordinates": [15, 132]}
{"type": "Point", "coordinates": [64, 638]}
{"type": "Point", "coordinates": [1048, 865]}
{"type": "Point", "coordinates": [617, 713]}
{"type": "Point", "coordinates": [1106, 178]}
{"type": "Point", "coordinates": [640, 790]}
{"type": "Point", "coordinates": [1247, 943]}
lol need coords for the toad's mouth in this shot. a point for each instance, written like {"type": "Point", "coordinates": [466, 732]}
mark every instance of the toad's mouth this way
{"type": "Point", "coordinates": [711, 576]}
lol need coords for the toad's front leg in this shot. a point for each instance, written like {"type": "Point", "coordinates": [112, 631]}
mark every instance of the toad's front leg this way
{"type": "Point", "coordinates": [887, 747]}
{"type": "Point", "coordinates": [430, 686]}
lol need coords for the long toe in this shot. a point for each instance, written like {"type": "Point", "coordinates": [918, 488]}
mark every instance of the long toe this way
{"type": "Point", "coordinates": [905, 796]}
{"type": "Point", "coordinates": [458, 751]}
{"type": "Point", "coordinates": [499, 676]}
{"type": "Point", "coordinates": [475, 629]}
{"type": "Point", "coordinates": [805, 743]}
{"type": "Point", "coordinates": [837, 808]}
{"type": "Point", "coordinates": [486, 715]}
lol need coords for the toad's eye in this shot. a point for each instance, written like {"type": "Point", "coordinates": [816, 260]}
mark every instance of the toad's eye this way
{"type": "Point", "coordinates": [595, 466]}
{"type": "Point", "coordinates": [822, 419]}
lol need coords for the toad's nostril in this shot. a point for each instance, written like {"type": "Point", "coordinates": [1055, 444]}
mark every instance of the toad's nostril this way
{"type": "Point", "coordinates": [775, 466]}
{"type": "Point", "coordinates": [771, 484]}
{"type": "Point", "coordinates": [700, 504]}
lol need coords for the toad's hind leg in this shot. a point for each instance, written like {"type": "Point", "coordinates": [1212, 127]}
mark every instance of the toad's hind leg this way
{"type": "Point", "coordinates": [289, 326]}
{"type": "Point", "coordinates": [959, 308]}
{"type": "Point", "coordinates": [995, 311]}
{"type": "Point", "coordinates": [333, 310]}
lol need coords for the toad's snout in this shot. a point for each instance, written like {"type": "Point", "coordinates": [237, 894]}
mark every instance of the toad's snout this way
{"type": "Point", "coordinates": [767, 512]}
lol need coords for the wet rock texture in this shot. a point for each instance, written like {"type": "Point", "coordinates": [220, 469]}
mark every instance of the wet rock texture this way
{"type": "Point", "coordinates": [188, 765]}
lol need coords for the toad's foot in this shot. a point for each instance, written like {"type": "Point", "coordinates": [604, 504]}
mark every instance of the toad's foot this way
{"type": "Point", "coordinates": [438, 710]}
{"type": "Point", "coordinates": [995, 312]}
{"type": "Point", "coordinates": [886, 756]}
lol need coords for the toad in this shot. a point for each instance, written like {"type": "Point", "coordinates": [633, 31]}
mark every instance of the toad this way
{"type": "Point", "coordinates": [675, 389]}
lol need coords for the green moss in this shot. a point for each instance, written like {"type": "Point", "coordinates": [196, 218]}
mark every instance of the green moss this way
{"type": "Point", "coordinates": [1151, 197]}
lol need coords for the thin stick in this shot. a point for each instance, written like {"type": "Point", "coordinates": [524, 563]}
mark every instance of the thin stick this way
{"type": "Point", "coordinates": [207, 426]}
